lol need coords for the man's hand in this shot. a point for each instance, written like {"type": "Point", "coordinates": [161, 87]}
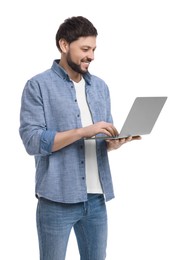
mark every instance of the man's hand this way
{"type": "Point", "coordinates": [99, 128]}
{"type": "Point", "coordinates": [113, 144]}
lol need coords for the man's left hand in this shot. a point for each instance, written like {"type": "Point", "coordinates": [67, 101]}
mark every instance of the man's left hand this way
{"type": "Point", "coordinates": [113, 144]}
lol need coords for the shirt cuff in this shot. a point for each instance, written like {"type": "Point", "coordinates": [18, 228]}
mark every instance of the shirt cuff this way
{"type": "Point", "coordinates": [46, 141]}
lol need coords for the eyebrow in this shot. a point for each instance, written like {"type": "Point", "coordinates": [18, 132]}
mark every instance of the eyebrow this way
{"type": "Point", "coordinates": [89, 47]}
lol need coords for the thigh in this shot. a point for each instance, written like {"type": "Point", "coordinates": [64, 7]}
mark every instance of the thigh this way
{"type": "Point", "coordinates": [54, 223]}
{"type": "Point", "coordinates": [91, 230]}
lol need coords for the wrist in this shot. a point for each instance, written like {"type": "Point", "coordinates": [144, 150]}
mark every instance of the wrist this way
{"type": "Point", "coordinates": [80, 133]}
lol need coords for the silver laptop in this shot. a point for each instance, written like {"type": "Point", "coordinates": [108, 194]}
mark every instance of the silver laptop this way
{"type": "Point", "coordinates": [141, 118]}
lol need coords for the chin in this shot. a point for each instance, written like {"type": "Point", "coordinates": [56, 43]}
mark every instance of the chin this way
{"type": "Point", "coordinates": [83, 72]}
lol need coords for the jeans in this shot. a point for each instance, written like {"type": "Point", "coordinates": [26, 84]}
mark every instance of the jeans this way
{"type": "Point", "coordinates": [89, 220]}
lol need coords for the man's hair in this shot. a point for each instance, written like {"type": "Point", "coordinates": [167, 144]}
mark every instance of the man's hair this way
{"type": "Point", "coordinates": [73, 28]}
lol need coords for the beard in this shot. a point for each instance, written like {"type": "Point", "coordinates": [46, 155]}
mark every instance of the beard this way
{"type": "Point", "coordinates": [74, 66]}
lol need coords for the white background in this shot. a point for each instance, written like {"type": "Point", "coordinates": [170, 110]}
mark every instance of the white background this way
{"type": "Point", "coordinates": [135, 58]}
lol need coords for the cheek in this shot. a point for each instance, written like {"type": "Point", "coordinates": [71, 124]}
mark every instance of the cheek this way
{"type": "Point", "coordinates": [76, 56]}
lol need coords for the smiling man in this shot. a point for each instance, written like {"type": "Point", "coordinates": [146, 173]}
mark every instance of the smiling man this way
{"type": "Point", "coordinates": [60, 108]}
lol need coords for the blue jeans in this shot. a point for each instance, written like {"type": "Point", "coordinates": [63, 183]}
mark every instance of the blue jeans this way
{"type": "Point", "coordinates": [89, 220]}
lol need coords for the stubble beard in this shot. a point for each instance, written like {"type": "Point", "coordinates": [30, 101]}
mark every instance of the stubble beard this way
{"type": "Point", "coordinates": [74, 66]}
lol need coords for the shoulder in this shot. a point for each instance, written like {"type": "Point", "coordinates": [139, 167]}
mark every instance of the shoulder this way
{"type": "Point", "coordinates": [41, 81]}
{"type": "Point", "coordinates": [34, 85]}
{"type": "Point", "coordinates": [42, 76]}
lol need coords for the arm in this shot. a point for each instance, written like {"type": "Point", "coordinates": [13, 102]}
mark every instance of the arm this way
{"type": "Point", "coordinates": [36, 138]}
{"type": "Point", "coordinates": [63, 139]}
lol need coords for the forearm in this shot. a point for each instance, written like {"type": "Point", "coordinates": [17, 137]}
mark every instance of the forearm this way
{"type": "Point", "coordinates": [63, 139]}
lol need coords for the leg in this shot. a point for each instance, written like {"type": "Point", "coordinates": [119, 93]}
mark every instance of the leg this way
{"type": "Point", "coordinates": [54, 223]}
{"type": "Point", "coordinates": [91, 230]}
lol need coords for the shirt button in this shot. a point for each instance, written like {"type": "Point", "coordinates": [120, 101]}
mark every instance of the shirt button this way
{"type": "Point", "coordinates": [71, 86]}
{"type": "Point", "coordinates": [81, 147]}
{"type": "Point", "coordinates": [78, 115]}
{"type": "Point", "coordinates": [83, 178]}
{"type": "Point", "coordinates": [82, 162]}
{"type": "Point", "coordinates": [75, 100]}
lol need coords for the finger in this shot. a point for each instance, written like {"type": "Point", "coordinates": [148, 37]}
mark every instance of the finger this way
{"type": "Point", "coordinates": [122, 140]}
{"type": "Point", "coordinates": [106, 132]}
{"type": "Point", "coordinates": [112, 141]}
{"type": "Point", "coordinates": [112, 130]}
{"type": "Point", "coordinates": [129, 138]}
{"type": "Point", "coordinates": [115, 131]}
{"type": "Point", "coordinates": [137, 137]}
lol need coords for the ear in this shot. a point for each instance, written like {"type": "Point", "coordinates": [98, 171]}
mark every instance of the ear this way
{"type": "Point", "coordinates": [63, 45]}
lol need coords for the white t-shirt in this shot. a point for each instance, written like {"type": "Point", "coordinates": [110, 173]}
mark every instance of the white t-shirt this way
{"type": "Point", "coordinates": [92, 175]}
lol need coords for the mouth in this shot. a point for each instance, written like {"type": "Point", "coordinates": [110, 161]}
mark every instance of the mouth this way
{"type": "Point", "coordinates": [85, 64]}
{"type": "Point", "coordinates": [86, 61]}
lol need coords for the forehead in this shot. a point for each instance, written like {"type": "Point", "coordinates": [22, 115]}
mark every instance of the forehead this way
{"type": "Point", "coordinates": [89, 41]}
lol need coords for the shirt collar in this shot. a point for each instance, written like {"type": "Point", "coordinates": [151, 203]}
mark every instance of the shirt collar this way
{"type": "Point", "coordinates": [63, 74]}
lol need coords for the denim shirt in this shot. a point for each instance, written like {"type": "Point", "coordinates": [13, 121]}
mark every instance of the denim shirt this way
{"type": "Point", "coordinates": [49, 106]}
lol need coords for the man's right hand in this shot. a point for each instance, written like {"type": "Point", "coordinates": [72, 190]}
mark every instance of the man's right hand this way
{"type": "Point", "coordinates": [98, 128]}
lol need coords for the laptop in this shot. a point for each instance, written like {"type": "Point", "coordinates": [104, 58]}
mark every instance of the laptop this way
{"type": "Point", "coordinates": [140, 119]}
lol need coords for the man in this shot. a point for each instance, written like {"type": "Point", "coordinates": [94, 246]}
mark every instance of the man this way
{"type": "Point", "coordinates": [60, 109]}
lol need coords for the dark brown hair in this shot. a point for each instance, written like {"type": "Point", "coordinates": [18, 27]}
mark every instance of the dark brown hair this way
{"type": "Point", "coordinates": [73, 28]}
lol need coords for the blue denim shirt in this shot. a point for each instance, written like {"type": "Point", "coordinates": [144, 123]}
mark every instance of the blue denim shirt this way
{"type": "Point", "coordinates": [49, 106]}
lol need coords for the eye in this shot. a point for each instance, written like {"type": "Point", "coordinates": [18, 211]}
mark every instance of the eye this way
{"type": "Point", "coordinates": [85, 49]}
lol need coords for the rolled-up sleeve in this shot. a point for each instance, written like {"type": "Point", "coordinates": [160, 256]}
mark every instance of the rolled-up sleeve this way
{"type": "Point", "coordinates": [37, 139]}
{"type": "Point", "coordinates": [46, 142]}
